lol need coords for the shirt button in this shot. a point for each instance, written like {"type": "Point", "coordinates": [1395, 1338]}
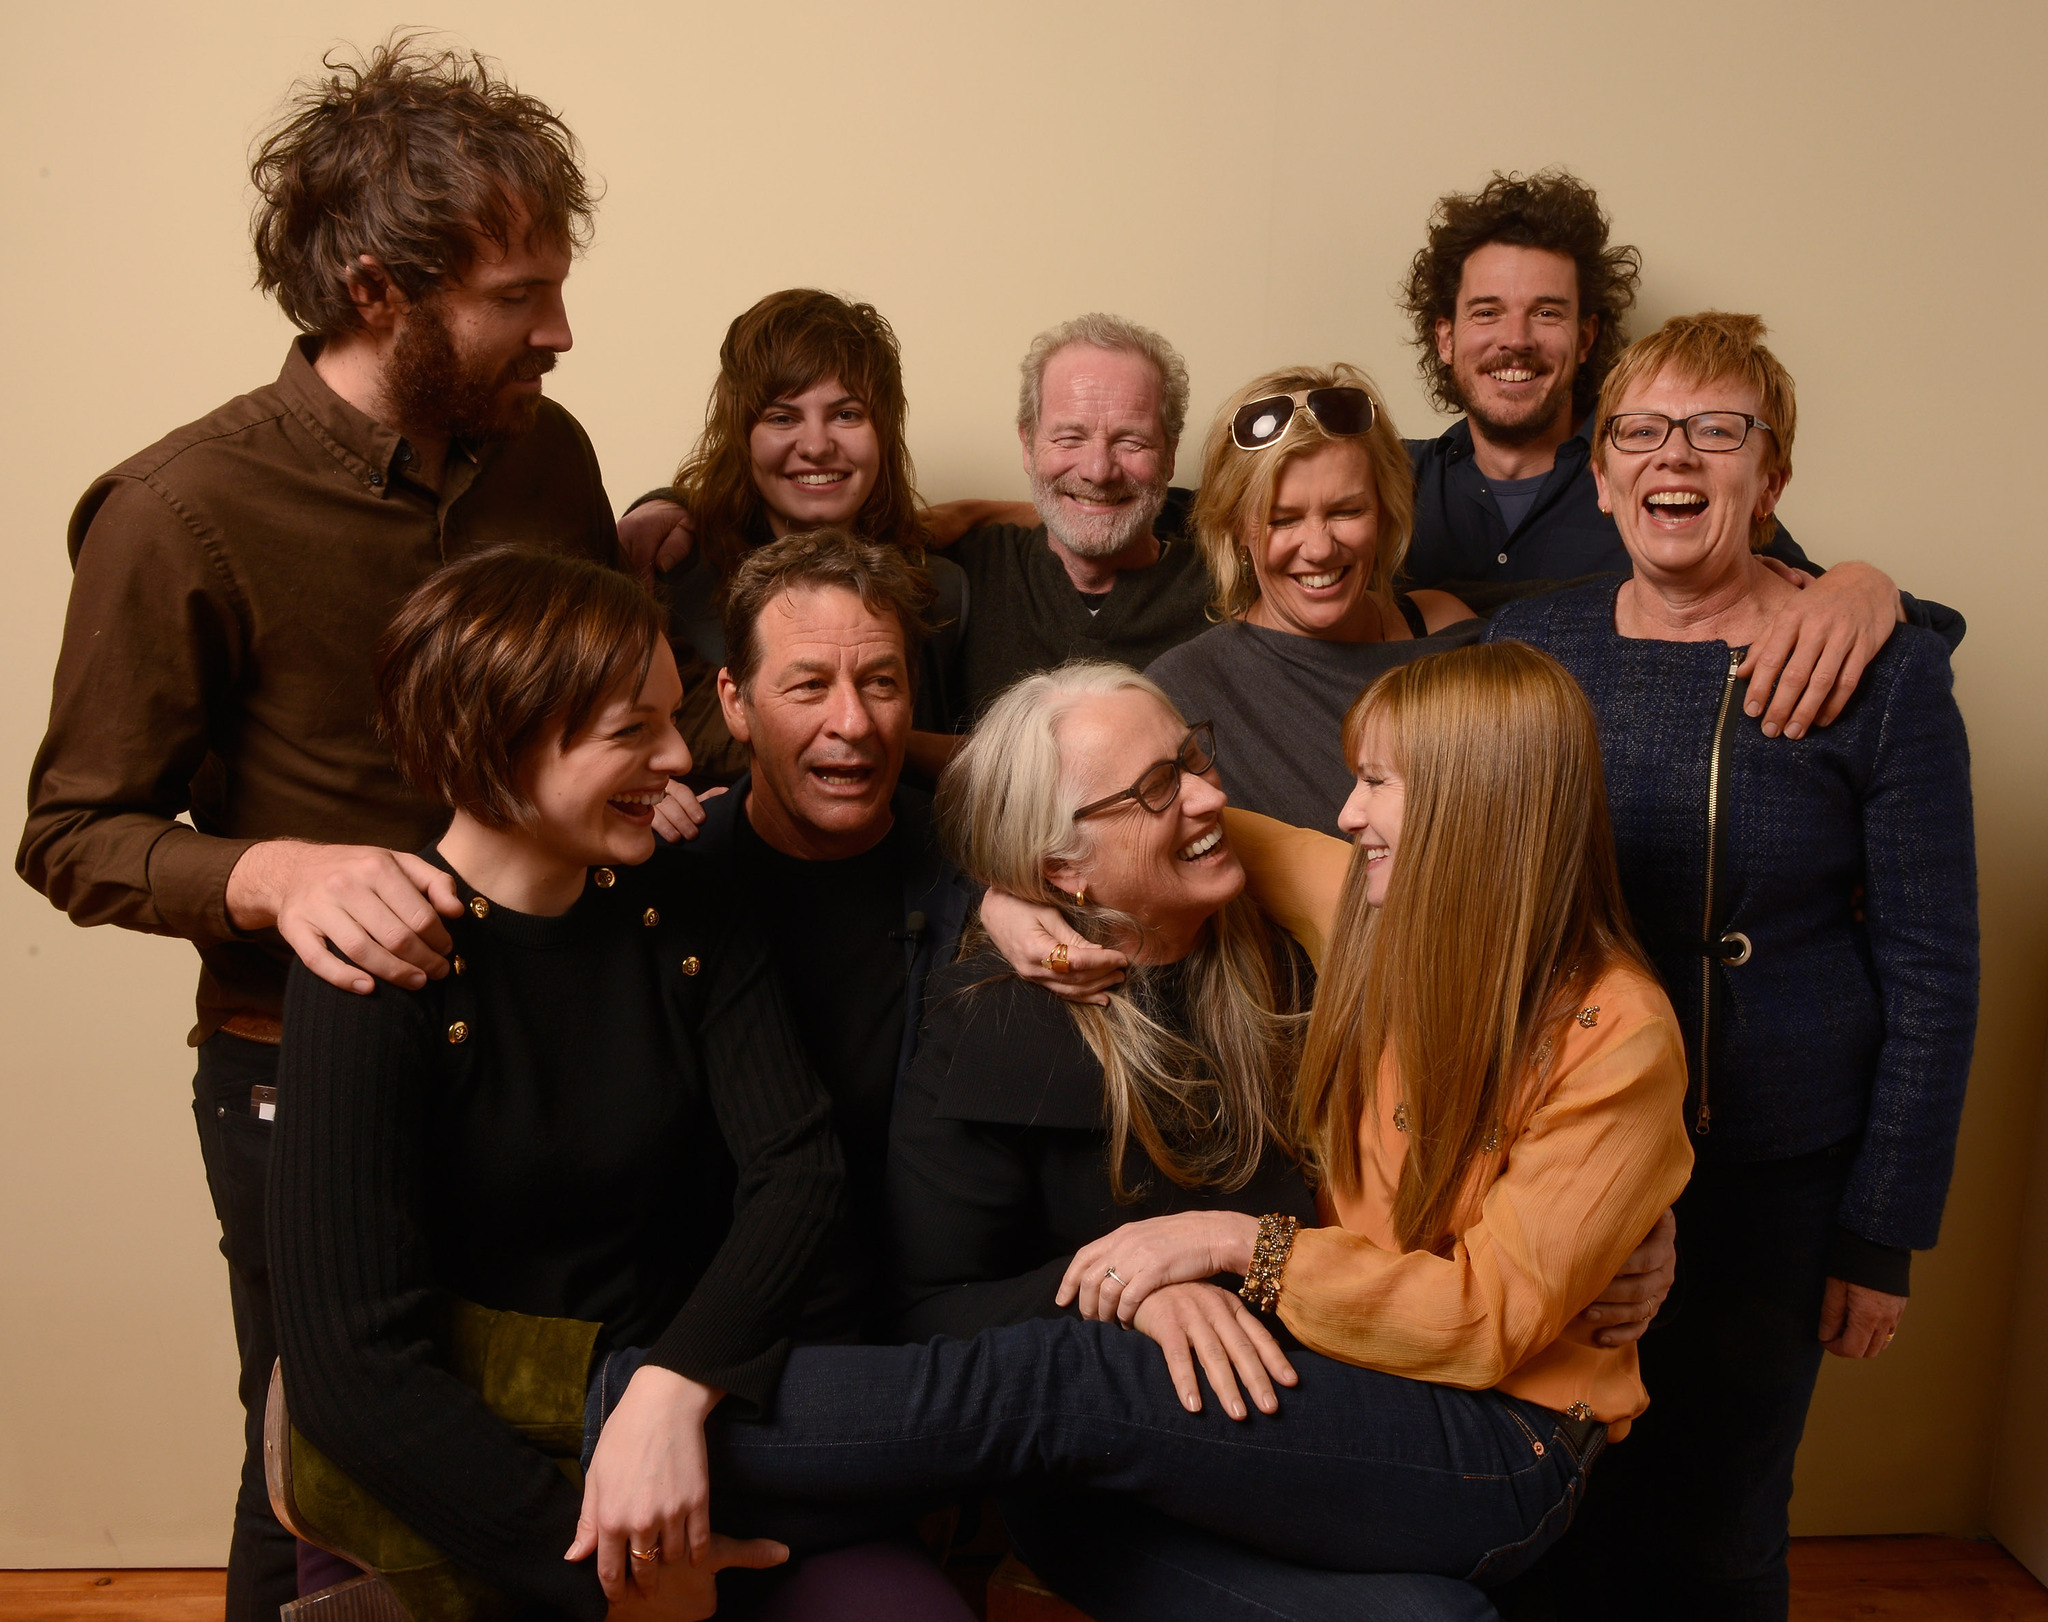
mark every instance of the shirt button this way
{"type": "Point", "coordinates": [1502, 558]}
{"type": "Point", "coordinates": [459, 1031]}
{"type": "Point", "coordinates": [690, 966]}
{"type": "Point", "coordinates": [376, 478]}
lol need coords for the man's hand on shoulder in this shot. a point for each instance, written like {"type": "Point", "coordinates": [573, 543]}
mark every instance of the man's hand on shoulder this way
{"type": "Point", "coordinates": [1805, 667]}
{"type": "Point", "coordinates": [656, 535]}
{"type": "Point", "coordinates": [381, 908]}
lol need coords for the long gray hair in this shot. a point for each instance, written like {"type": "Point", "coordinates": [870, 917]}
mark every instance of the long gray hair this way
{"type": "Point", "coordinates": [1203, 1106]}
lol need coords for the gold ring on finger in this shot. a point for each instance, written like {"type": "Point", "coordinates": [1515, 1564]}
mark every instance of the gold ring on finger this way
{"type": "Point", "coordinates": [644, 1554]}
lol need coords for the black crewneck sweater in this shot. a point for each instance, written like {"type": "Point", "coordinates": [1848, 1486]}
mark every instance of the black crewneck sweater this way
{"type": "Point", "coordinates": [627, 1132]}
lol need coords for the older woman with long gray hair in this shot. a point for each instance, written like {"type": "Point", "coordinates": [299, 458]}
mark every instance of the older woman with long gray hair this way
{"type": "Point", "coordinates": [1029, 1126]}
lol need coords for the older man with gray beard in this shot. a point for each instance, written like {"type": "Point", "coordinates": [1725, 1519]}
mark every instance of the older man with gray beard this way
{"type": "Point", "coordinates": [1105, 574]}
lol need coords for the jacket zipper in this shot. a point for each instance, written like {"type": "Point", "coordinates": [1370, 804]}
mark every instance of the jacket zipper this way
{"type": "Point", "coordinates": [1703, 1121]}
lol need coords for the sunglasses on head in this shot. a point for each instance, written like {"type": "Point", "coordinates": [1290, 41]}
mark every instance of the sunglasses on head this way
{"type": "Point", "coordinates": [1339, 412]}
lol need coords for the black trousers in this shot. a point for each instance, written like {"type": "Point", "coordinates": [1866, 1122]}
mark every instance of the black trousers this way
{"type": "Point", "coordinates": [235, 1143]}
{"type": "Point", "coordinates": [1687, 1517]}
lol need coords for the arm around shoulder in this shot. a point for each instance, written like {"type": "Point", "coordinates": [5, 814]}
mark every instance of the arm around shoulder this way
{"type": "Point", "coordinates": [1295, 874]}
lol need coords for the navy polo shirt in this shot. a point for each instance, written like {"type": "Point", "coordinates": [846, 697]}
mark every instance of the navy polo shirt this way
{"type": "Point", "coordinates": [1460, 535]}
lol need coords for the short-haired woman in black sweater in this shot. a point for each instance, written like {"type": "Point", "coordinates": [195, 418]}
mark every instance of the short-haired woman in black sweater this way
{"type": "Point", "coordinates": [601, 1114]}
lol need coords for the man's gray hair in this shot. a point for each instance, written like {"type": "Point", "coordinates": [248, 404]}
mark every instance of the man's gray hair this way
{"type": "Point", "coordinates": [1114, 333]}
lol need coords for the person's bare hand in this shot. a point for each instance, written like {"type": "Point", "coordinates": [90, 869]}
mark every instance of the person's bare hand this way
{"type": "Point", "coordinates": [1856, 1321]}
{"type": "Point", "coordinates": [1026, 933]}
{"type": "Point", "coordinates": [649, 1485]}
{"type": "Point", "coordinates": [381, 908]}
{"type": "Point", "coordinates": [1111, 1277]}
{"type": "Point", "coordinates": [676, 1591]}
{"type": "Point", "coordinates": [681, 814]}
{"type": "Point", "coordinates": [1200, 1323]}
{"type": "Point", "coordinates": [656, 535]}
{"type": "Point", "coordinates": [1806, 665]}
{"type": "Point", "coordinates": [1634, 1294]}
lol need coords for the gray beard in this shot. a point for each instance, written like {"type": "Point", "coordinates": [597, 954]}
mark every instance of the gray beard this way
{"type": "Point", "coordinates": [1100, 537]}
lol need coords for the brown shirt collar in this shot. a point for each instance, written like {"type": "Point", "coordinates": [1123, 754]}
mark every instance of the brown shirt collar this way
{"type": "Point", "coordinates": [371, 452]}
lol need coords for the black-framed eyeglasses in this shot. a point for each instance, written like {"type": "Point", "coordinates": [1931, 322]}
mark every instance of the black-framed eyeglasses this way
{"type": "Point", "coordinates": [1644, 431]}
{"type": "Point", "coordinates": [1160, 786]}
{"type": "Point", "coordinates": [1340, 412]}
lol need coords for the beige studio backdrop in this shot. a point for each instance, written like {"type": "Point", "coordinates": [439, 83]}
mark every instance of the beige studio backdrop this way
{"type": "Point", "coordinates": [1251, 180]}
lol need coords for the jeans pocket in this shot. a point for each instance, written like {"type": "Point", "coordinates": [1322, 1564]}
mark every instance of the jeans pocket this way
{"type": "Point", "coordinates": [1510, 1560]}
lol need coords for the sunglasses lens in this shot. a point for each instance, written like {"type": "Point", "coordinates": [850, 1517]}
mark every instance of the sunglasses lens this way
{"type": "Point", "coordinates": [1341, 411]}
{"type": "Point", "coordinates": [1261, 422]}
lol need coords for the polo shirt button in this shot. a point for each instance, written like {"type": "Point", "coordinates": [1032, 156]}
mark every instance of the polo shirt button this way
{"type": "Point", "coordinates": [1502, 558]}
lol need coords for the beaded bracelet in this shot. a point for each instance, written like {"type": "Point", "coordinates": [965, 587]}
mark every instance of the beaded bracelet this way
{"type": "Point", "coordinates": [1269, 1260]}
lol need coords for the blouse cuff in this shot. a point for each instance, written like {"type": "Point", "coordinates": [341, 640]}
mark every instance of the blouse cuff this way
{"type": "Point", "coordinates": [1856, 1260]}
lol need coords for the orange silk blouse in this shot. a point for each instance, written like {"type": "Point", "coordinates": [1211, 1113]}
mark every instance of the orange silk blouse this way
{"type": "Point", "coordinates": [1599, 1153]}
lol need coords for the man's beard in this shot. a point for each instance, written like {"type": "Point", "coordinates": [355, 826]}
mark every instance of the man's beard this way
{"type": "Point", "coordinates": [1100, 535]}
{"type": "Point", "coordinates": [1539, 420]}
{"type": "Point", "coordinates": [434, 388]}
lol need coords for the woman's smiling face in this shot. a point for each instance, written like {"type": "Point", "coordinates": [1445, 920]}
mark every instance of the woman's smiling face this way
{"type": "Point", "coordinates": [1372, 816]}
{"type": "Point", "coordinates": [1314, 561]}
{"type": "Point", "coordinates": [816, 457]}
{"type": "Point", "coordinates": [1685, 513]}
{"type": "Point", "coordinates": [594, 795]}
{"type": "Point", "coordinates": [1171, 870]}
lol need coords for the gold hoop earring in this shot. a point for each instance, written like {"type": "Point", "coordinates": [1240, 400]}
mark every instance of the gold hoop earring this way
{"type": "Point", "coordinates": [1081, 896]}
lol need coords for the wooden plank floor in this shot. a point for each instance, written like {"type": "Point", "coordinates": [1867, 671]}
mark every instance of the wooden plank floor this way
{"type": "Point", "coordinates": [1904, 1579]}
{"type": "Point", "coordinates": [1911, 1579]}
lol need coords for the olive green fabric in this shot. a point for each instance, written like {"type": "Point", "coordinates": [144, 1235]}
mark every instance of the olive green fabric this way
{"type": "Point", "coordinates": [532, 1373]}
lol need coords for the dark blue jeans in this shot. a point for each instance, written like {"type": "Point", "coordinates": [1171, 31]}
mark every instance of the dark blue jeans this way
{"type": "Point", "coordinates": [263, 1570]}
{"type": "Point", "coordinates": [1121, 1562]}
{"type": "Point", "coordinates": [1359, 1472]}
{"type": "Point", "coordinates": [1690, 1519]}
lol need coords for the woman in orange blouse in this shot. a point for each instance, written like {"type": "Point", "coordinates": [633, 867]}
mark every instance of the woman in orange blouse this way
{"type": "Point", "coordinates": [1490, 1097]}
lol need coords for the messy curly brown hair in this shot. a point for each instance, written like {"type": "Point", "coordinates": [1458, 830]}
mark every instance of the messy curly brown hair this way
{"type": "Point", "coordinates": [785, 344]}
{"type": "Point", "coordinates": [414, 155]}
{"type": "Point", "coordinates": [1552, 210]}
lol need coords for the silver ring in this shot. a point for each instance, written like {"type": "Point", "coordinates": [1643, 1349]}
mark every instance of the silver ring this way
{"type": "Point", "coordinates": [1111, 1272]}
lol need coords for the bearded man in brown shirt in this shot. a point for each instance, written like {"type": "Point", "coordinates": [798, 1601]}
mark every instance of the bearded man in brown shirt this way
{"type": "Point", "coordinates": [211, 769]}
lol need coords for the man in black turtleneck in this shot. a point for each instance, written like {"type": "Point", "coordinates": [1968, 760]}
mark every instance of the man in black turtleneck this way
{"type": "Point", "coordinates": [836, 856]}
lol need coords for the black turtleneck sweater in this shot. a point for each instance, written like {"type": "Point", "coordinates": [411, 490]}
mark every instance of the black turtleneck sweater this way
{"type": "Point", "coordinates": [627, 1132]}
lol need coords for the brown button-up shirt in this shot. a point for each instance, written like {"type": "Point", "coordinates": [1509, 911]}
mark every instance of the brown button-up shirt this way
{"type": "Point", "coordinates": [229, 586]}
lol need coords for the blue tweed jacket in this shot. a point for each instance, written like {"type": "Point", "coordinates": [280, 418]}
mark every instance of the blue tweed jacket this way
{"type": "Point", "coordinates": [1849, 863]}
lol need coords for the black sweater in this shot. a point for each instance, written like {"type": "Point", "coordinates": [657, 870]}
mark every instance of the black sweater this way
{"type": "Point", "coordinates": [627, 1132]}
{"type": "Point", "coordinates": [999, 1157]}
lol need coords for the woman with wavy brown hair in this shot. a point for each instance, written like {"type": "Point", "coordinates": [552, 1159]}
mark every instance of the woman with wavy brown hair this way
{"type": "Point", "coordinates": [804, 429]}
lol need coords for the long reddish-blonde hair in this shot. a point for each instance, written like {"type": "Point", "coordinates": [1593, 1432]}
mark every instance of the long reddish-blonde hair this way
{"type": "Point", "coordinates": [1503, 906]}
